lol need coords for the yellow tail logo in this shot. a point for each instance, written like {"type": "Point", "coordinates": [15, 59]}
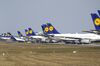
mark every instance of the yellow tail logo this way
{"type": "Point", "coordinates": [46, 29]}
{"type": "Point", "coordinates": [27, 32]}
{"type": "Point", "coordinates": [51, 28]}
{"type": "Point", "coordinates": [97, 21]}
{"type": "Point", "coordinates": [30, 31]}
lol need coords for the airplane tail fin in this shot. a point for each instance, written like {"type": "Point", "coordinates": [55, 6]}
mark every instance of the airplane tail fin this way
{"type": "Point", "coordinates": [52, 29]}
{"type": "Point", "coordinates": [99, 12]}
{"type": "Point", "coordinates": [45, 29]}
{"type": "Point", "coordinates": [27, 32]}
{"type": "Point", "coordinates": [19, 34]}
{"type": "Point", "coordinates": [49, 29]}
{"type": "Point", "coordinates": [96, 21]}
{"type": "Point", "coordinates": [31, 32]}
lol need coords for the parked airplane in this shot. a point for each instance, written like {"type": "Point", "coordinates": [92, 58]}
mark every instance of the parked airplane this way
{"type": "Point", "coordinates": [49, 30]}
{"type": "Point", "coordinates": [5, 36]}
{"type": "Point", "coordinates": [9, 37]}
{"type": "Point", "coordinates": [17, 38]}
{"type": "Point", "coordinates": [21, 36]}
{"type": "Point", "coordinates": [38, 38]}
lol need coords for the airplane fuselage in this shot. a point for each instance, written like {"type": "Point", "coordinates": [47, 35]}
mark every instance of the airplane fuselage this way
{"type": "Point", "coordinates": [73, 37]}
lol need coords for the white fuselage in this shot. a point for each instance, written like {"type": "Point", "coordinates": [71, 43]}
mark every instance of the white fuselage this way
{"type": "Point", "coordinates": [90, 36]}
{"type": "Point", "coordinates": [39, 37]}
{"type": "Point", "coordinates": [5, 38]}
{"type": "Point", "coordinates": [20, 39]}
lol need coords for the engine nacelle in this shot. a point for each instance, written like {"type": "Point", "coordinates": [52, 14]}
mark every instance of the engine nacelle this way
{"type": "Point", "coordinates": [86, 41]}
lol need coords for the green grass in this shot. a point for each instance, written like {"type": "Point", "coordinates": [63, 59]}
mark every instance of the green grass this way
{"type": "Point", "coordinates": [21, 54]}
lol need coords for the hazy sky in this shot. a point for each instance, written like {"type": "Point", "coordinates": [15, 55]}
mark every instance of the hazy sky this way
{"type": "Point", "coordinates": [68, 16]}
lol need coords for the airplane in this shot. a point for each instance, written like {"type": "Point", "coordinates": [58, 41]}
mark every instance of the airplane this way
{"type": "Point", "coordinates": [18, 38]}
{"type": "Point", "coordinates": [50, 30]}
{"type": "Point", "coordinates": [38, 38]}
{"type": "Point", "coordinates": [5, 36]}
{"type": "Point", "coordinates": [96, 22]}
{"type": "Point", "coordinates": [9, 37]}
{"type": "Point", "coordinates": [21, 36]}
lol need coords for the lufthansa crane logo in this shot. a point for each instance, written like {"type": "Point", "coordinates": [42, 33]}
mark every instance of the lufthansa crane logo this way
{"type": "Point", "coordinates": [97, 21]}
{"type": "Point", "coordinates": [26, 32]}
{"type": "Point", "coordinates": [46, 29]}
{"type": "Point", "coordinates": [30, 31]}
{"type": "Point", "coordinates": [51, 28]}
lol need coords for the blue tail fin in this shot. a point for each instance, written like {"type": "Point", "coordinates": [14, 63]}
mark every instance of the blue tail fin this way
{"type": "Point", "coordinates": [45, 29]}
{"type": "Point", "coordinates": [27, 32]}
{"type": "Point", "coordinates": [52, 29]}
{"type": "Point", "coordinates": [19, 34]}
{"type": "Point", "coordinates": [96, 21]}
{"type": "Point", "coordinates": [99, 12]}
{"type": "Point", "coordinates": [49, 29]}
{"type": "Point", "coordinates": [31, 32]}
